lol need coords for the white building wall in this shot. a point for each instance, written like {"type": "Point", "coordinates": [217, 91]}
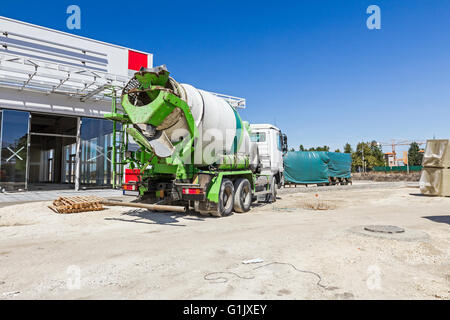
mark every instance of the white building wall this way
{"type": "Point", "coordinates": [117, 55]}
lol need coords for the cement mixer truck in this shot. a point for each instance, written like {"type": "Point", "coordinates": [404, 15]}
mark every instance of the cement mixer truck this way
{"type": "Point", "coordinates": [194, 149]}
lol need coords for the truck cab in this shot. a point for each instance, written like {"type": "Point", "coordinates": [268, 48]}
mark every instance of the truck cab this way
{"type": "Point", "coordinates": [272, 145]}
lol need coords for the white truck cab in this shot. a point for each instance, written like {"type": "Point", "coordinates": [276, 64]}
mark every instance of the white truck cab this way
{"type": "Point", "coordinates": [272, 144]}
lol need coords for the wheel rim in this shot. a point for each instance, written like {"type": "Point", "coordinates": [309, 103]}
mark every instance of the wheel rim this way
{"type": "Point", "coordinates": [226, 198]}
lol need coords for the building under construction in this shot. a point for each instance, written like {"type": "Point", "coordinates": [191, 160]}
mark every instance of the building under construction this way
{"type": "Point", "coordinates": [55, 88]}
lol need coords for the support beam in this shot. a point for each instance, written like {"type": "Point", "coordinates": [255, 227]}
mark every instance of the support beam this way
{"type": "Point", "coordinates": [77, 156]}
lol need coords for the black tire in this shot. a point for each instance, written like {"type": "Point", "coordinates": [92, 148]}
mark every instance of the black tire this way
{"type": "Point", "coordinates": [272, 197]}
{"type": "Point", "coordinates": [226, 198]}
{"type": "Point", "coordinates": [281, 181]}
{"type": "Point", "coordinates": [242, 195]}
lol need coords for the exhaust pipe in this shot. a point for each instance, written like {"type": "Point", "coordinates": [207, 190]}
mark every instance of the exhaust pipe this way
{"type": "Point", "coordinates": [154, 207]}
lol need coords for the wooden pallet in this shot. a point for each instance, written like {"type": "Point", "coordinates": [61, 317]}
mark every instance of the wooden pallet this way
{"type": "Point", "coordinates": [77, 204]}
{"type": "Point", "coordinates": [93, 203]}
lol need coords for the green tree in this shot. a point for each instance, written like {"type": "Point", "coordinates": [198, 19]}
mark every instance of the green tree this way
{"type": "Point", "coordinates": [324, 148]}
{"type": "Point", "coordinates": [377, 153]}
{"type": "Point", "coordinates": [292, 149]}
{"type": "Point", "coordinates": [348, 148]}
{"type": "Point", "coordinates": [414, 156]}
{"type": "Point", "coordinates": [373, 156]}
{"type": "Point", "coordinates": [301, 148]}
{"type": "Point", "coordinates": [337, 150]}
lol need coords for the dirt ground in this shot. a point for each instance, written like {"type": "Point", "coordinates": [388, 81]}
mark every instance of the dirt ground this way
{"type": "Point", "coordinates": [387, 176]}
{"type": "Point", "coordinates": [120, 253]}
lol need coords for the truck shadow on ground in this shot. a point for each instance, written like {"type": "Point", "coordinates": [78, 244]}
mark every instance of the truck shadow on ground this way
{"type": "Point", "coordinates": [153, 217]}
{"type": "Point", "coordinates": [439, 219]}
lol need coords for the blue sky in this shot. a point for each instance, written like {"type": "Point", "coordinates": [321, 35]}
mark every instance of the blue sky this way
{"type": "Point", "coordinates": [313, 68]}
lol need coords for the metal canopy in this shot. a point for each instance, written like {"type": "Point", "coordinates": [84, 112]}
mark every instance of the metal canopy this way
{"type": "Point", "coordinates": [40, 65]}
{"type": "Point", "coordinates": [24, 73]}
{"type": "Point", "coordinates": [236, 102]}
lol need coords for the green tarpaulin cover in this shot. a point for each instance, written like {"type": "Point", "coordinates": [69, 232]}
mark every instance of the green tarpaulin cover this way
{"type": "Point", "coordinates": [306, 167]}
{"type": "Point", "coordinates": [316, 166]}
{"type": "Point", "coordinates": [340, 164]}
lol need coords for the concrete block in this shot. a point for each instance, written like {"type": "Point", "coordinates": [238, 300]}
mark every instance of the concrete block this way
{"type": "Point", "coordinates": [437, 153]}
{"type": "Point", "coordinates": [435, 181]}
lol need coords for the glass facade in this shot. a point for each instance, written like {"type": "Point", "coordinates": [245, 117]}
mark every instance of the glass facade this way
{"type": "Point", "coordinates": [41, 150]}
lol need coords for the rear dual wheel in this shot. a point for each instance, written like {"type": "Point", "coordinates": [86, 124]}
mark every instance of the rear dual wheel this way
{"type": "Point", "coordinates": [242, 195]}
{"type": "Point", "coordinates": [237, 196]}
{"type": "Point", "coordinates": [226, 198]}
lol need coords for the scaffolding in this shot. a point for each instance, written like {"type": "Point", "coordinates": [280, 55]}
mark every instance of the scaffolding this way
{"type": "Point", "coordinates": [119, 146]}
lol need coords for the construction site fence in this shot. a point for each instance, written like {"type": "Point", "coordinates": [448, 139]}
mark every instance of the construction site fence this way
{"type": "Point", "coordinates": [397, 169]}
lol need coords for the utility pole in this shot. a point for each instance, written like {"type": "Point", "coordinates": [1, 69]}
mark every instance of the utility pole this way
{"type": "Point", "coordinates": [407, 162]}
{"type": "Point", "coordinates": [363, 162]}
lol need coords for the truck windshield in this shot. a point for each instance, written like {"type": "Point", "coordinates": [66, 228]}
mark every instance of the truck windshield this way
{"type": "Point", "coordinates": [258, 137]}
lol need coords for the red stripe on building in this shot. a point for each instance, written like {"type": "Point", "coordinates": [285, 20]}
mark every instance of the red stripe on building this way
{"type": "Point", "coordinates": [136, 60]}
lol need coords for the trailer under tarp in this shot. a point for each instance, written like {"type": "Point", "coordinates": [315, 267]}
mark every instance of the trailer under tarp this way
{"type": "Point", "coordinates": [305, 167]}
{"type": "Point", "coordinates": [340, 165]}
{"type": "Point", "coordinates": [316, 167]}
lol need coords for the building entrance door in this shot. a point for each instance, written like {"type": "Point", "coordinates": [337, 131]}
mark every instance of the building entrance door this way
{"type": "Point", "coordinates": [52, 149]}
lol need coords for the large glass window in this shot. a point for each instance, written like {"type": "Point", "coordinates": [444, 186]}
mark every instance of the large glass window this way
{"type": "Point", "coordinates": [14, 149]}
{"type": "Point", "coordinates": [96, 152]}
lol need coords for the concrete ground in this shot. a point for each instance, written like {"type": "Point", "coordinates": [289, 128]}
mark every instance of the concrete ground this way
{"type": "Point", "coordinates": [307, 254]}
{"type": "Point", "coordinates": [10, 198]}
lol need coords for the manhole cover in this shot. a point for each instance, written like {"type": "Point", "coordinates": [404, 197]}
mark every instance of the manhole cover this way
{"type": "Point", "coordinates": [384, 229]}
{"type": "Point", "coordinates": [390, 232]}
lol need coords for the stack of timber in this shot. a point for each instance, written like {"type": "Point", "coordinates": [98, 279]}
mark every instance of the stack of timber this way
{"type": "Point", "coordinates": [77, 204]}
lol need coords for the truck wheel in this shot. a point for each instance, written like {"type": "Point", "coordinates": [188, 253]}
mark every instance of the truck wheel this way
{"type": "Point", "coordinates": [226, 198]}
{"type": "Point", "coordinates": [272, 197]}
{"type": "Point", "coordinates": [242, 195]}
{"type": "Point", "coordinates": [281, 182]}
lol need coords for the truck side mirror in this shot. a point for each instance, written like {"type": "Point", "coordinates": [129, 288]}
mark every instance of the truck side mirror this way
{"type": "Point", "coordinates": [285, 145]}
